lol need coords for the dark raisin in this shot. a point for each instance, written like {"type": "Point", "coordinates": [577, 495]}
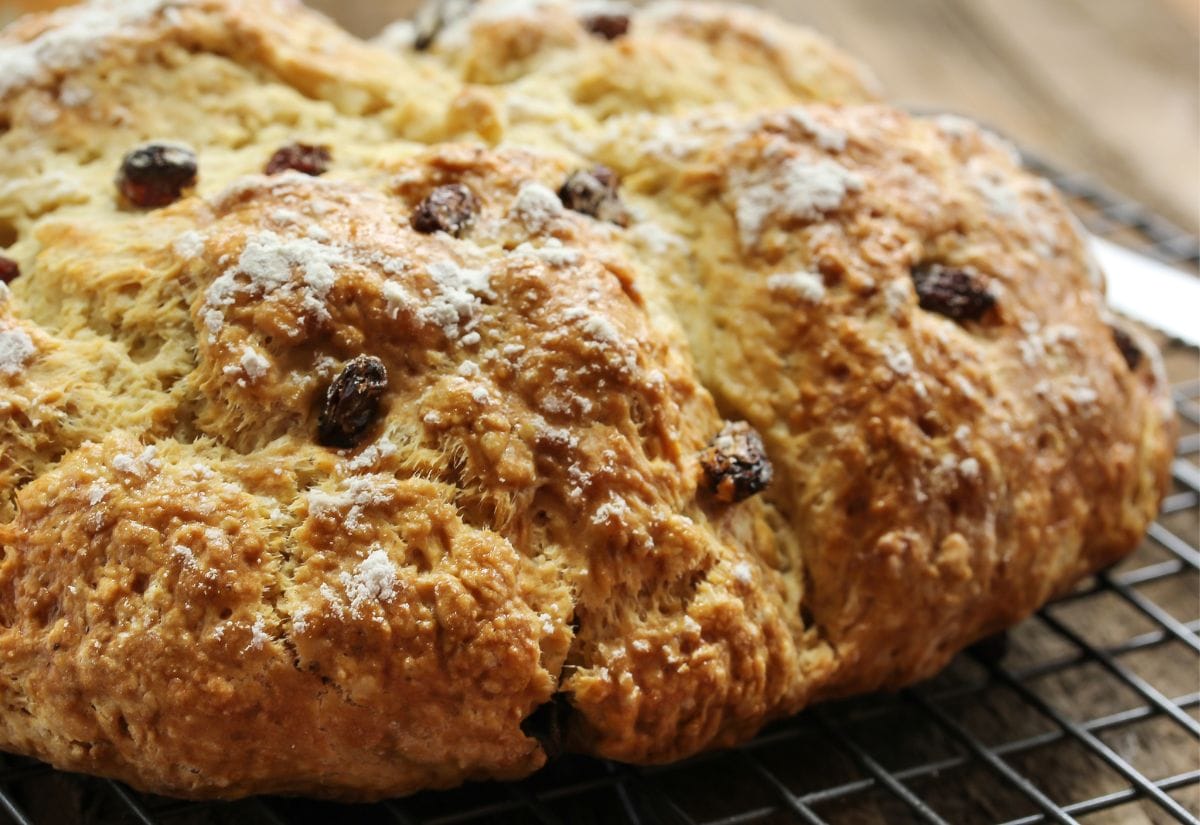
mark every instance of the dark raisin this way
{"type": "Point", "coordinates": [609, 25]}
{"type": "Point", "coordinates": [156, 174]}
{"type": "Point", "coordinates": [352, 402]}
{"type": "Point", "coordinates": [594, 192]}
{"type": "Point", "coordinates": [9, 270]}
{"type": "Point", "coordinates": [735, 464]}
{"type": "Point", "coordinates": [547, 724]}
{"type": "Point", "coordinates": [301, 157]}
{"type": "Point", "coordinates": [951, 291]}
{"type": "Point", "coordinates": [1131, 352]}
{"type": "Point", "coordinates": [451, 209]}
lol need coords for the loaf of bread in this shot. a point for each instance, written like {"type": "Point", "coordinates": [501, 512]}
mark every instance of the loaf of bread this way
{"type": "Point", "coordinates": [375, 417]}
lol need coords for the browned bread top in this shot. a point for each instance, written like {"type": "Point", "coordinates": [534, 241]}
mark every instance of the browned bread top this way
{"type": "Point", "coordinates": [478, 429]}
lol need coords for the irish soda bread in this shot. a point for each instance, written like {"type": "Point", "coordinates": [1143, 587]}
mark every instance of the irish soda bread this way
{"type": "Point", "coordinates": [377, 417]}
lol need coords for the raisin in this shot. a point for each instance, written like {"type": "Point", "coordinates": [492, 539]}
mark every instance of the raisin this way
{"type": "Point", "coordinates": [449, 209]}
{"type": "Point", "coordinates": [9, 270]}
{"type": "Point", "coordinates": [301, 157]}
{"type": "Point", "coordinates": [1130, 351]}
{"type": "Point", "coordinates": [953, 292]}
{"type": "Point", "coordinates": [547, 724]}
{"type": "Point", "coordinates": [735, 464]}
{"type": "Point", "coordinates": [594, 192]}
{"type": "Point", "coordinates": [352, 402]}
{"type": "Point", "coordinates": [156, 174]}
{"type": "Point", "coordinates": [610, 25]}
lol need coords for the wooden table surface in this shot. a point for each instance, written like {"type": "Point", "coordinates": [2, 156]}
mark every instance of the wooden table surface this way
{"type": "Point", "coordinates": [1106, 87]}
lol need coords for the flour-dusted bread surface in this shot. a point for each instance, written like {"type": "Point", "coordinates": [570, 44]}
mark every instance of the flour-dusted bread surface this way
{"type": "Point", "coordinates": [958, 427]}
{"type": "Point", "coordinates": [549, 73]}
{"type": "Point", "coordinates": [605, 58]}
{"type": "Point", "coordinates": [544, 395]}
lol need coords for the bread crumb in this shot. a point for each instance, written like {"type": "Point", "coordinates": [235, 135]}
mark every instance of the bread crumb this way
{"type": "Point", "coordinates": [553, 253]}
{"type": "Point", "coordinates": [370, 456]}
{"type": "Point", "coordinates": [96, 493]}
{"type": "Point", "coordinates": [613, 511]}
{"type": "Point", "coordinates": [41, 111]}
{"type": "Point", "coordinates": [455, 297]}
{"type": "Point", "coordinates": [258, 634]}
{"type": "Point", "coordinates": [200, 471]}
{"type": "Point", "coordinates": [806, 286]}
{"type": "Point", "coordinates": [793, 190]}
{"type": "Point", "coordinates": [900, 360]}
{"type": "Point", "coordinates": [139, 465]}
{"type": "Point", "coordinates": [653, 238]}
{"type": "Point", "coordinates": [373, 580]}
{"type": "Point", "coordinates": [954, 126]}
{"type": "Point", "coordinates": [333, 600]}
{"type": "Point", "coordinates": [896, 296]}
{"type": "Point", "coordinates": [286, 217]}
{"type": "Point", "coordinates": [189, 245]}
{"type": "Point", "coordinates": [16, 348]}
{"type": "Point", "coordinates": [1080, 391]}
{"type": "Point", "coordinates": [251, 364]}
{"type": "Point", "coordinates": [395, 296]}
{"type": "Point", "coordinates": [969, 467]}
{"type": "Point", "coordinates": [743, 572]}
{"type": "Point", "coordinates": [186, 557]}
{"type": "Point", "coordinates": [1002, 201]}
{"type": "Point", "coordinates": [599, 328]}
{"type": "Point", "coordinates": [358, 493]}
{"type": "Point", "coordinates": [536, 206]}
{"type": "Point", "coordinates": [826, 137]}
{"type": "Point", "coordinates": [73, 93]}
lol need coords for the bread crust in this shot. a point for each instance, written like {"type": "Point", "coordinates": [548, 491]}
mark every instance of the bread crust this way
{"type": "Point", "coordinates": [200, 599]}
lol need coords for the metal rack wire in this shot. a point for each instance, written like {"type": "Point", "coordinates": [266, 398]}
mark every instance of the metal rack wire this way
{"type": "Point", "coordinates": [997, 737]}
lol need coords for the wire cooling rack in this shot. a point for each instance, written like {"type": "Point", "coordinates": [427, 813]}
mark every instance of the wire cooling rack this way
{"type": "Point", "coordinates": [1085, 713]}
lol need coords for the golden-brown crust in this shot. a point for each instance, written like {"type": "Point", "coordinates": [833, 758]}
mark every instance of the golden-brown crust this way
{"type": "Point", "coordinates": [200, 599]}
{"type": "Point", "coordinates": [943, 476]}
{"type": "Point", "coordinates": [673, 56]}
